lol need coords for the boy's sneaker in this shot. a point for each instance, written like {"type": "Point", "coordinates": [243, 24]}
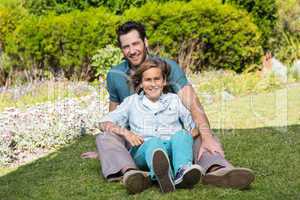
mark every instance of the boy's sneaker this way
{"type": "Point", "coordinates": [136, 181]}
{"type": "Point", "coordinates": [161, 168]}
{"type": "Point", "coordinates": [239, 178]}
{"type": "Point", "coordinates": [188, 176]}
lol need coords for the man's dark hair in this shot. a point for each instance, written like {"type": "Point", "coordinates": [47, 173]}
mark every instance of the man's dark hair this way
{"type": "Point", "coordinates": [129, 26]}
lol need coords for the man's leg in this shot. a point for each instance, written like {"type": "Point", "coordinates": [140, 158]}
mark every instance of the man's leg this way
{"type": "Point", "coordinates": [114, 156]}
{"type": "Point", "coordinates": [208, 160]}
{"type": "Point", "coordinates": [219, 172]}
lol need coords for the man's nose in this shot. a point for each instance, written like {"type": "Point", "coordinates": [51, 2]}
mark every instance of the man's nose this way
{"type": "Point", "coordinates": [132, 50]}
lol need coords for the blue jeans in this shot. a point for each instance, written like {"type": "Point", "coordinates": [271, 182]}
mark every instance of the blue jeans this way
{"type": "Point", "coordinates": [178, 148]}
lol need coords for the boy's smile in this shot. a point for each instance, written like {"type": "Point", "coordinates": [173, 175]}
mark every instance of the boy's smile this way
{"type": "Point", "coordinates": [153, 83]}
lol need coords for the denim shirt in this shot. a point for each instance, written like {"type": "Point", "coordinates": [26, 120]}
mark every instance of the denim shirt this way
{"type": "Point", "coordinates": [143, 121]}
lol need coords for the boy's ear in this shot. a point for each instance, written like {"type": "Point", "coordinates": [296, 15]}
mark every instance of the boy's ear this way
{"type": "Point", "coordinates": [165, 82]}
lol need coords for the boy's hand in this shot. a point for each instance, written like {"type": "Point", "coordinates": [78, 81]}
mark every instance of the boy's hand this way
{"type": "Point", "coordinates": [133, 139]}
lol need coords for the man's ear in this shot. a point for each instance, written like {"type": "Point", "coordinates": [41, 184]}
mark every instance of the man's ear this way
{"type": "Point", "coordinates": [146, 43]}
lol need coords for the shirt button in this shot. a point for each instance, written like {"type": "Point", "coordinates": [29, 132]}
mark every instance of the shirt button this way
{"type": "Point", "coordinates": [156, 129]}
{"type": "Point", "coordinates": [155, 114]}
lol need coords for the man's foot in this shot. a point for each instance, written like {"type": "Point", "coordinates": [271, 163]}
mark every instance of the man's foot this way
{"type": "Point", "coordinates": [188, 176]}
{"type": "Point", "coordinates": [161, 168]}
{"type": "Point", "coordinates": [239, 178]}
{"type": "Point", "coordinates": [90, 155]}
{"type": "Point", "coordinates": [136, 181]}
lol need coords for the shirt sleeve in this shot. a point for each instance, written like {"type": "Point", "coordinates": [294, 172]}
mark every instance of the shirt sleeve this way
{"type": "Point", "coordinates": [185, 116]}
{"type": "Point", "coordinates": [111, 88]}
{"type": "Point", "coordinates": [120, 115]}
{"type": "Point", "coordinates": [177, 78]}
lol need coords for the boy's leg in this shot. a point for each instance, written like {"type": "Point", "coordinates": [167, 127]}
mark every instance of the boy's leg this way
{"type": "Point", "coordinates": [153, 154]}
{"type": "Point", "coordinates": [219, 172]}
{"type": "Point", "coordinates": [186, 174]}
{"type": "Point", "coordinates": [182, 152]}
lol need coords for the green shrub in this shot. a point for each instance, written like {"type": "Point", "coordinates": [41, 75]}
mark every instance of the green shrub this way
{"type": "Point", "coordinates": [198, 34]}
{"type": "Point", "coordinates": [286, 40]}
{"type": "Point", "coordinates": [105, 58]}
{"type": "Point", "coordinates": [10, 18]}
{"type": "Point", "coordinates": [62, 43]}
{"type": "Point", "coordinates": [201, 34]}
{"type": "Point", "coordinates": [264, 13]}
{"type": "Point", "coordinates": [41, 7]}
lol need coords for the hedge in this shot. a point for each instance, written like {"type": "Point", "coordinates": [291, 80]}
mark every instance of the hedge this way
{"type": "Point", "coordinates": [66, 42]}
{"type": "Point", "coordinates": [201, 34]}
{"type": "Point", "coordinates": [265, 13]}
{"type": "Point", "coordinates": [198, 34]}
{"type": "Point", "coordinates": [42, 7]}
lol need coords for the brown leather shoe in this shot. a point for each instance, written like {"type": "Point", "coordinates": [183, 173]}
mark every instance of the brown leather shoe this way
{"type": "Point", "coordinates": [239, 178]}
{"type": "Point", "coordinates": [136, 181]}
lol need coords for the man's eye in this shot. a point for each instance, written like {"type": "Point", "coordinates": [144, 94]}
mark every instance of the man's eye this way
{"type": "Point", "coordinates": [136, 43]}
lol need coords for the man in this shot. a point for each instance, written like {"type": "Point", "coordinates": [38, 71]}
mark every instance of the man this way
{"type": "Point", "coordinates": [114, 156]}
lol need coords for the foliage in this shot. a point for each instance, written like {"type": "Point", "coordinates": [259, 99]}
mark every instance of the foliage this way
{"type": "Point", "coordinates": [40, 7]}
{"type": "Point", "coordinates": [227, 37]}
{"type": "Point", "coordinates": [286, 40]}
{"type": "Point", "coordinates": [10, 18]}
{"type": "Point", "coordinates": [65, 44]}
{"type": "Point", "coordinates": [5, 68]}
{"type": "Point", "coordinates": [105, 58]}
{"type": "Point", "coordinates": [264, 13]}
{"type": "Point", "coordinates": [62, 43]}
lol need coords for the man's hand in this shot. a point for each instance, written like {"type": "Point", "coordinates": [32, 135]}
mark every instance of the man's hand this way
{"type": "Point", "coordinates": [133, 139]}
{"type": "Point", "coordinates": [210, 144]}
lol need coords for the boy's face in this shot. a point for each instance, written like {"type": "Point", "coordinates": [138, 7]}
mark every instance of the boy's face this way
{"type": "Point", "coordinates": [153, 83]}
{"type": "Point", "coordinates": [133, 47]}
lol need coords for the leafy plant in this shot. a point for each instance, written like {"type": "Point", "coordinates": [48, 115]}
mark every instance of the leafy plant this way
{"type": "Point", "coordinates": [105, 58]}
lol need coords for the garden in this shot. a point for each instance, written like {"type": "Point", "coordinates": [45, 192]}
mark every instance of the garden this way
{"type": "Point", "coordinates": [241, 57]}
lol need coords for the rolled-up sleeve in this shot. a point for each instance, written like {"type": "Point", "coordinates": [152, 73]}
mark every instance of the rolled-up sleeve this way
{"type": "Point", "coordinates": [185, 116]}
{"type": "Point", "coordinates": [177, 78]}
{"type": "Point", "coordinates": [113, 95]}
{"type": "Point", "coordinates": [120, 115]}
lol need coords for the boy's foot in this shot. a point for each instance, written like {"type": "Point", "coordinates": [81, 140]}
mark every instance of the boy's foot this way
{"type": "Point", "coordinates": [161, 168]}
{"type": "Point", "coordinates": [239, 178]}
{"type": "Point", "coordinates": [188, 176]}
{"type": "Point", "coordinates": [136, 181]}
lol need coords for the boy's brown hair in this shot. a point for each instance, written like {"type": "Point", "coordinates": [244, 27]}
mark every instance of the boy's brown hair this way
{"type": "Point", "coordinates": [149, 63]}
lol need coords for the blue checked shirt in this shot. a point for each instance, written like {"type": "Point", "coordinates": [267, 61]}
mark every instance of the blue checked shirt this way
{"type": "Point", "coordinates": [169, 118]}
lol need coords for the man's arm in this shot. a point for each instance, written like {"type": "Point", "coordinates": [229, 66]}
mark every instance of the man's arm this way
{"type": "Point", "coordinates": [191, 102]}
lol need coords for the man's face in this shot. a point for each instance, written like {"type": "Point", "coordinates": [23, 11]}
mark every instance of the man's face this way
{"type": "Point", "coordinates": [133, 47]}
{"type": "Point", "coordinates": [153, 83]}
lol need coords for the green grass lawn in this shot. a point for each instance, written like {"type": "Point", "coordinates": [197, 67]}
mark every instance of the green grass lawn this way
{"type": "Point", "coordinates": [274, 157]}
{"type": "Point", "coordinates": [260, 132]}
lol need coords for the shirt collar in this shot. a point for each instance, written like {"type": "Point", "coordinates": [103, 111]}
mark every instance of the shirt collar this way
{"type": "Point", "coordinates": [163, 100]}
